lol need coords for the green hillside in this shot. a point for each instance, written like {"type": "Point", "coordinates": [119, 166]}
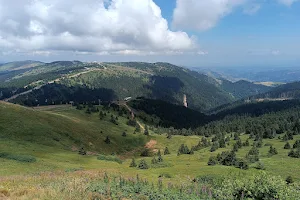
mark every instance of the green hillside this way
{"type": "Point", "coordinates": [43, 134]}
{"type": "Point", "coordinates": [242, 89]}
{"type": "Point", "coordinates": [37, 141]}
{"type": "Point", "coordinates": [133, 79]}
{"type": "Point", "coordinates": [286, 91]}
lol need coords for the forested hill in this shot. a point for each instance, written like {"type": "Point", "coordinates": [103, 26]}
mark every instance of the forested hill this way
{"type": "Point", "coordinates": [163, 114]}
{"type": "Point", "coordinates": [286, 91]}
{"type": "Point", "coordinates": [242, 89]}
{"type": "Point", "coordinates": [276, 97]}
{"type": "Point", "coordinates": [62, 81]}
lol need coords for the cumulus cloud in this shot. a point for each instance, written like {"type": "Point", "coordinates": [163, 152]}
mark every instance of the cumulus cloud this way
{"type": "Point", "coordinates": [99, 26]}
{"type": "Point", "coordinates": [287, 2]}
{"type": "Point", "coordinates": [202, 14]}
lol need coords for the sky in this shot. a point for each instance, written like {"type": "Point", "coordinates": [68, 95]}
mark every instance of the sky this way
{"type": "Point", "coordinates": [195, 33]}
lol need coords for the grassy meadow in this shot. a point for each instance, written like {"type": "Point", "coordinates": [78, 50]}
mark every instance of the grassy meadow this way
{"type": "Point", "coordinates": [53, 136]}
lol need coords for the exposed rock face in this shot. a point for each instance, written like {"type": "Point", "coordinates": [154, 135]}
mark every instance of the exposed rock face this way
{"type": "Point", "coordinates": [185, 104]}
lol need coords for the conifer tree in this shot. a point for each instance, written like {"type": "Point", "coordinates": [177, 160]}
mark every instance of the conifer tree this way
{"type": "Point", "coordinates": [143, 164]}
{"type": "Point", "coordinates": [133, 163]}
{"type": "Point", "coordinates": [287, 146]}
{"type": "Point", "coordinates": [166, 152]}
{"type": "Point", "coordinates": [146, 132]}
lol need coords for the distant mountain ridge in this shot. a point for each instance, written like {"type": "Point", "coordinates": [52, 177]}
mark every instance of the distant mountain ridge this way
{"type": "Point", "coordinates": [125, 79]}
{"type": "Point", "coordinates": [13, 66]}
{"type": "Point", "coordinates": [276, 75]}
{"type": "Point", "coordinates": [287, 92]}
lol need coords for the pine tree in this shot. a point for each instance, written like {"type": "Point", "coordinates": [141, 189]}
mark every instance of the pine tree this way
{"type": "Point", "coordinates": [183, 149]}
{"type": "Point", "coordinates": [297, 144]}
{"type": "Point", "coordinates": [107, 140]}
{"type": "Point", "coordinates": [235, 147]}
{"type": "Point", "coordinates": [146, 132]}
{"type": "Point", "coordinates": [88, 111]}
{"type": "Point", "coordinates": [124, 134]}
{"type": "Point", "coordinates": [82, 151]}
{"type": "Point", "coordinates": [101, 115]}
{"type": "Point", "coordinates": [214, 147]}
{"type": "Point", "coordinates": [154, 160]}
{"type": "Point", "coordinates": [246, 144]}
{"type": "Point", "coordinates": [133, 163]}
{"type": "Point", "coordinates": [143, 164]}
{"type": "Point", "coordinates": [166, 152]}
{"type": "Point", "coordinates": [212, 161]}
{"type": "Point", "coordinates": [169, 135]}
{"type": "Point", "coordinates": [253, 155]}
{"type": "Point", "coordinates": [137, 128]}
{"type": "Point", "coordinates": [239, 143]}
{"type": "Point", "coordinates": [272, 151]}
{"type": "Point", "coordinates": [287, 146]}
{"type": "Point", "coordinates": [159, 158]}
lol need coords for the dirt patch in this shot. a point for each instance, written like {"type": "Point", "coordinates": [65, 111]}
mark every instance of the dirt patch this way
{"type": "Point", "coordinates": [151, 144]}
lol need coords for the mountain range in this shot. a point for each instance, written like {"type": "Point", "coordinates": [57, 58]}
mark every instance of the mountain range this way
{"type": "Point", "coordinates": [65, 81]}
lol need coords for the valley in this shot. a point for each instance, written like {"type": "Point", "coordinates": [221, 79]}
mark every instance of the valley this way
{"type": "Point", "coordinates": [76, 124]}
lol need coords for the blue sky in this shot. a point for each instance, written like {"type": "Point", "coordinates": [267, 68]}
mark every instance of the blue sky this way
{"type": "Point", "coordinates": [214, 33]}
{"type": "Point", "coordinates": [268, 37]}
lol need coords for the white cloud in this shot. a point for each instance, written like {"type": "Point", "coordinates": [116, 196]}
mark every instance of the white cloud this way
{"type": "Point", "coordinates": [252, 9]}
{"type": "Point", "coordinates": [202, 14]}
{"type": "Point", "coordinates": [99, 26]}
{"type": "Point", "coordinates": [287, 2]}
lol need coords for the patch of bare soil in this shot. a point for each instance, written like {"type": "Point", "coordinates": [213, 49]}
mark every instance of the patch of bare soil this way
{"type": "Point", "coordinates": [151, 144]}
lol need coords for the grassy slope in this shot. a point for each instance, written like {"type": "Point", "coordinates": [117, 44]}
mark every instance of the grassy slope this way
{"type": "Point", "coordinates": [17, 122]}
{"type": "Point", "coordinates": [33, 132]}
